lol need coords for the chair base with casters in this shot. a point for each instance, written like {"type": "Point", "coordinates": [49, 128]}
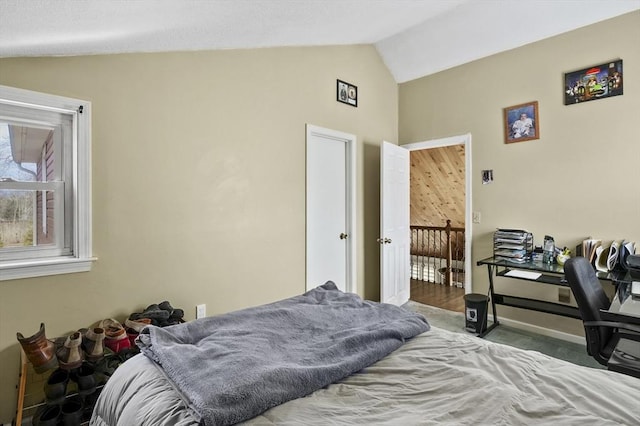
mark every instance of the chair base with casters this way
{"type": "Point", "coordinates": [625, 358]}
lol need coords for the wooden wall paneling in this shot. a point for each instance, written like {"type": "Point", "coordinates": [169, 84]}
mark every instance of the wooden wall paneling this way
{"type": "Point", "coordinates": [438, 186]}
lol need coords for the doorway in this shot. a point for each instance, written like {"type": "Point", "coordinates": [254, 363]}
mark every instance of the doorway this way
{"type": "Point", "coordinates": [441, 197]}
{"type": "Point", "coordinates": [330, 208]}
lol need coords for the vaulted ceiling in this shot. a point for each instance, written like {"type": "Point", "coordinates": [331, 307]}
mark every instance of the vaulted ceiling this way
{"type": "Point", "coordinates": [414, 37]}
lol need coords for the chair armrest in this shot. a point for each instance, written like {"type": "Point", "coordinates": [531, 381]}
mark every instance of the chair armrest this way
{"type": "Point", "coordinates": [626, 317]}
{"type": "Point", "coordinates": [630, 336]}
{"type": "Point", "coordinates": [611, 324]}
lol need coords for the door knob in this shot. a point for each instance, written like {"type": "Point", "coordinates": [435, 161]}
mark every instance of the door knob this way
{"type": "Point", "coordinates": [383, 240]}
{"type": "Point", "coordinates": [343, 236]}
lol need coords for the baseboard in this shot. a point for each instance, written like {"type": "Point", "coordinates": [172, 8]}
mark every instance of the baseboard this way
{"type": "Point", "coordinates": [567, 337]}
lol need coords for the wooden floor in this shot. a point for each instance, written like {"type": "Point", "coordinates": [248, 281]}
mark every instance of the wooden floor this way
{"type": "Point", "coordinates": [441, 296]}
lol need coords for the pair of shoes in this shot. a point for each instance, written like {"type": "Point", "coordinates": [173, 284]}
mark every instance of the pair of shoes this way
{"type": "Point", "coordinates": [39, 351]}
{"type": "Point", "coordinates": [70, 412]}
{"type": "Point", "coordinates": [84, 343]}
{"type": "Point", "coordinates": [116, 337]}
{"type": "Point", "coordinates": [55, 388]}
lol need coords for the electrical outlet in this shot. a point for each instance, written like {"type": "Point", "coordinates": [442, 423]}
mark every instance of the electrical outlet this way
{"type": "Point", "coordinates": [476, 217]}
{"type": "Point", "coordinates": [201, 311]}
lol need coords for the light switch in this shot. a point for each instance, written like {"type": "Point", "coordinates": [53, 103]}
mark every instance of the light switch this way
{"type": "Point", "coordinates": [476, 217]}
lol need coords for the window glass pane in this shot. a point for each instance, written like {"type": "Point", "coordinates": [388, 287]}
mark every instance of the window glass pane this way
{"type": "Point", "coordinates": [26, 153]}
{"type": "Point", "coordinates": [26, 218]}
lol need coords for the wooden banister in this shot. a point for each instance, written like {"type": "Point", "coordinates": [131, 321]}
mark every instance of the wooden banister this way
{"type": "Point", "coordinates": [442, 242]}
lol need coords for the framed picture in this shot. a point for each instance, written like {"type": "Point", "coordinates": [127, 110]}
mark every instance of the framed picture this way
{"type": "Point", "coordinates": [590, 84]}
{"type": "Point", "coordinates": [521, 122]}
{"type": "Point", "coordinates": [347, 93]}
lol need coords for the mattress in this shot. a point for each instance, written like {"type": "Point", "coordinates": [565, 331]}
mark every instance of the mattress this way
{"type": "Point", "coordinates": [438, 377]}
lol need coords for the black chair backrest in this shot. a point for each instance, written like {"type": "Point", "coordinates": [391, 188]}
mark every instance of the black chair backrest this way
{"type": "Point", "coordinates": [590, 297]}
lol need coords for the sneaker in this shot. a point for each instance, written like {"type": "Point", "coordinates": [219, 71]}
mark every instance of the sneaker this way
{"type": "Point", "coordinates": [136, 325]}
{"type": "Point", "coordinates": [93, 343]}
{"type": "Point", "coordinates": [69, 354]}
{"type": "Point", "coordinates": [115, 336]}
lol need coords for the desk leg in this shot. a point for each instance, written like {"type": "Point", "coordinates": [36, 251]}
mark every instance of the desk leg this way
{"type": "Point", "coordinates": [490, 268]}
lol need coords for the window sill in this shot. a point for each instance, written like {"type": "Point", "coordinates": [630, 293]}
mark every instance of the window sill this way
{"type": "Point", "coordinates": [41, 268]}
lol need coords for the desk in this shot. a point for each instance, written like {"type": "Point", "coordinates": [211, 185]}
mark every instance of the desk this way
{"type": "Point", "coordinates": [624, 303]}
{"type": "Point", "coordinates": [625, 308]}
{"type": "Point", "coordinates": [544, 273]}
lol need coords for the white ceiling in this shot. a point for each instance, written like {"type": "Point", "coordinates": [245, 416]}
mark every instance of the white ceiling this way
{"type": "Point", "coordinates": [414, 37]}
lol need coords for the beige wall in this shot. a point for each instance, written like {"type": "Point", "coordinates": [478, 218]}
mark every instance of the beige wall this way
{"type": "Point", "coordinates": [579, 179]}
{"type": "Point", "coordinates": [199, 180]}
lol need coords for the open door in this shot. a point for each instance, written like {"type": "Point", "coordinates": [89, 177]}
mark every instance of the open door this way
{"type": "Point", "coordinates": [394, 224]}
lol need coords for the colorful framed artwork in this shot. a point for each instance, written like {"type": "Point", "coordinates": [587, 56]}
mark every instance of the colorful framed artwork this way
{"type": "Point", "coordinates": [521, 122]}
{"type": "Point", "coordinates": [597, 82]}
{"type": "Point", "coordinates": [347, 93]}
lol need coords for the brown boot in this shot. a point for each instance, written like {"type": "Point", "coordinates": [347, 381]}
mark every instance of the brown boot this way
{"type": "Point", "coordinates": [40, 351]}
{"type": "Point", "coordinates": [70, 355]}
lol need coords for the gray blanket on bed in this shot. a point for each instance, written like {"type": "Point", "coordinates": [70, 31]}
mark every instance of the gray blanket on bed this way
{"type": "Point", "coordinates": [232, 367]}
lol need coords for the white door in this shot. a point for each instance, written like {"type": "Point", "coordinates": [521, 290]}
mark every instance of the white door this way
{"type": "Point", "coordinates": [330, 208]}
{"type": "Point", "coordinates": [394, 224]}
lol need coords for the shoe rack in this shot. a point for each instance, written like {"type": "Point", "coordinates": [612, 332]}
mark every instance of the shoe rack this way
{"type": "Point", "coordinates": [22, 387]}
{"type": "Point", "coordinates": [31, 390]}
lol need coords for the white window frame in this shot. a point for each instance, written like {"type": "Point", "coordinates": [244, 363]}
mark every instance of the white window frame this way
{"type": "Point", "coordinates": [80, 259]}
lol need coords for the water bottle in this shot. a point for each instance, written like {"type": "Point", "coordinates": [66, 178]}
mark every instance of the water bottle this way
{"type": "Point", "coordinates": [549, 250]}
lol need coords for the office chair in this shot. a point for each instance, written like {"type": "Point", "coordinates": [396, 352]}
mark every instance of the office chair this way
{"type": "Point", "coordinates": [602, 336]}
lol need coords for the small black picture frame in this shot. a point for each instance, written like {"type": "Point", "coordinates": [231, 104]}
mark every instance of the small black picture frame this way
{"type": "Point", "coordinates": [347, 93]}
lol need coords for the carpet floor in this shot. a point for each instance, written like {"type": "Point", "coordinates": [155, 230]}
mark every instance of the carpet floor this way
{"type": "Point", "coordinates": [455, 321]}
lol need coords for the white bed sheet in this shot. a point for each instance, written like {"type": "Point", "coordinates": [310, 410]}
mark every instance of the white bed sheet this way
{"type": "Point", "coordinates": [439, 377]}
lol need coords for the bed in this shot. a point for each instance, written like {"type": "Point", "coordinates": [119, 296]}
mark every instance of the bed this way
{"type": "Point", "coordinates": [433, 377]}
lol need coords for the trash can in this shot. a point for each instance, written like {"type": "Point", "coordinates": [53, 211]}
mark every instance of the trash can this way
{"type": "Point", "coordinates": [475, 307]}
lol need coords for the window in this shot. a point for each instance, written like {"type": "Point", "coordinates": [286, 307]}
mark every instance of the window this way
{"type": "Point", "coordinates": [45, 210]}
